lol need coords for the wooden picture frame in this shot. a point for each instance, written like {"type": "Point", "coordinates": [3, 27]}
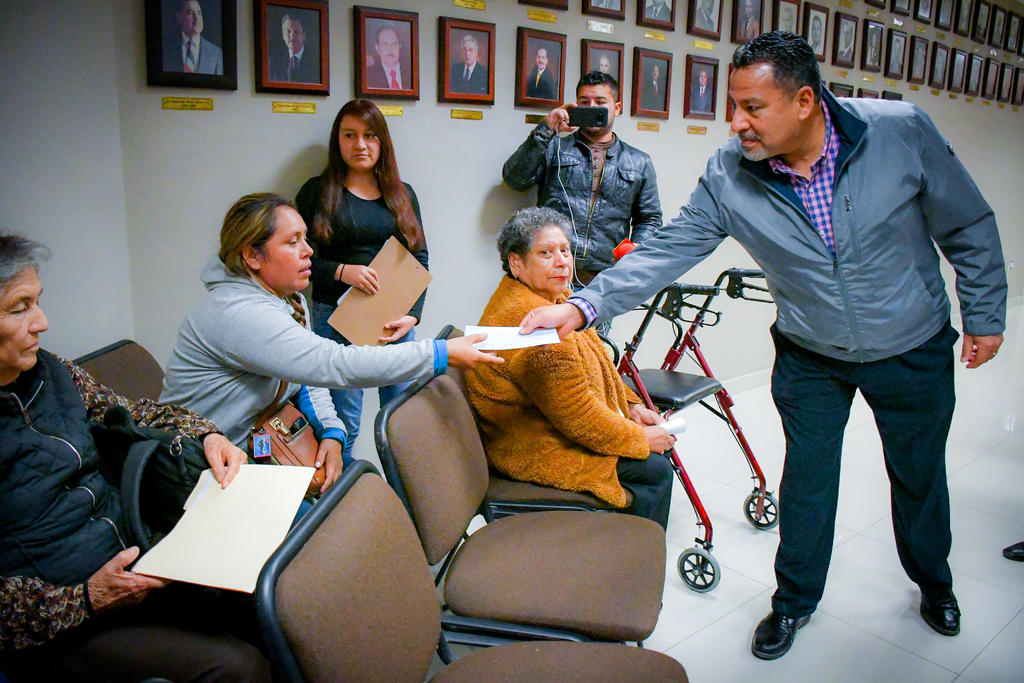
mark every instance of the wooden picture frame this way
{"type": "Point", "coordinates": [292, 46]}
{"type": "Point", "coordinates": [867, 94]}
{"type": "Point", "coordinates": [944, 13]}
{"type": "Point", "coordinates": [786, 15]}
{"type": "Point", "coordinates": [1018, 88]}
{"type": "Point", "coordinates": [892, 95]}
{"type": "Point", "coordinates": [901, 7]}
{"type": "Point", "coordinates": [964, 18]}
{"type": "Point", "coordinates": [591, 53]}
{"type": "Point", "coordinates": [871, 45]}
{"type": "Point", "coordinates": [747, 19]}
{"type": "Point", "coordinates": [877, 3]}
{"type": "Point", "coordinates": [1006, 74]}
{"type": "Point", "coordinates": [844, 40]}
{"type": "Point", "coordinates": [730, 106]}
{"type": "Point", "coordinates": [982, 19]}
{"type": "Point", "coordinates": [939, 66]}
{"type": "Point", "coordinates": [917, 72]}
{"type": "Point", "coordinates": [1013, 24]}
{"type": "Point", "coordinates": [465, 65]}
{"type": "Point", "coordinates": [815, 30]}
{"type": "Point", "coordinates": [975, 75]}
{"type": "Point", "coordinates": [537, 87]}
{"type": "Point", "coordinates": [990, 84]}
{"type": "Point", "coordinates": [658, 13]}
{"type": "Point", "coordinates": [216, 58]}
{"type": "Point", "coordinates": [895, 53]}
{"type": "Point", "coordinates": [997, 32]}
{"type": "Point", "coordinates": [605, 8]}
{"type": "Point", "coordinates": [704, 18]}
{"type": "Point", "coordinates": [553, 4]}
{"type": "Point", "coordinates": [386, 56]}
{"type": "Point", "coordinates": [840, 89]}
{"type": "Point", "coordinates": [923, 11]}
{"type": "Point", "coordinates": [697, 105]}
{"type": "Point", "coordinates": [648, 83]}
{"type": "Point", "coordinates": [957, 72]}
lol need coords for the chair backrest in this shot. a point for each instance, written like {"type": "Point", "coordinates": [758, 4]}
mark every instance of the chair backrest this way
{"type": "Point", "coordinates": [430, 448]}
{"type": "Point", "coordinates": [127, 368]}
{"type": "Point", "coordinates": [348, 595]}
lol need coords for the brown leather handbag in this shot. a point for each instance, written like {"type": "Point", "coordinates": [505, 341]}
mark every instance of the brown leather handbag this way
{"type": "Point", "coordinates": [290, 437]}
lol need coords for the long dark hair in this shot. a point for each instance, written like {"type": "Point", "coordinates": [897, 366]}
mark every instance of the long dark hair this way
{"type": "Point", "coordinates": [332, 180]}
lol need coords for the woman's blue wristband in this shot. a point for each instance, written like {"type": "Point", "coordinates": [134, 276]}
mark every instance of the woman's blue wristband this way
{"type": "Point", "coordinates": [440, 357]}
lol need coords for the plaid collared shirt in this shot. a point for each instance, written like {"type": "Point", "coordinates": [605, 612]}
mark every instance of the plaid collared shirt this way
{"type": "Point", "coordinates": [816, 193]}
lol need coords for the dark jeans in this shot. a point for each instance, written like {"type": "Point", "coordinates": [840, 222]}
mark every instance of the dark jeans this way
{"type": "Point", "coordinates": [912, 397]}
{"type": "Point", "coordinates": [650, 482]}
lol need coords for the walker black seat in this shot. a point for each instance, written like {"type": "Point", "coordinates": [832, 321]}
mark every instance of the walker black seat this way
{"type": "Point", "coordinates": [673, 390]}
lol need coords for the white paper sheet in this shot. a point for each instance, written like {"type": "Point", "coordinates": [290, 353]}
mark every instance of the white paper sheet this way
{"type": "Point", "coordinates": [226, 535]}
{"type": "Point", "coordinates": [505, 338]}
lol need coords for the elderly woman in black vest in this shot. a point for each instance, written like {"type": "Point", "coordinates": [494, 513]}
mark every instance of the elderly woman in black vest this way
{"type": "Point", "coordinates": [70, 610]}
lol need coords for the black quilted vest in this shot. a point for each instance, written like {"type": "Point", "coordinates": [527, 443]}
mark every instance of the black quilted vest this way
{"type": "Point", "coordinates": [60, 520]}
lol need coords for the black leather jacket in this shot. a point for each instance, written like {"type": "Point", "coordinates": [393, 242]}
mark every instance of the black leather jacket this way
{"type": "Point", "coordinates": [627, 198]}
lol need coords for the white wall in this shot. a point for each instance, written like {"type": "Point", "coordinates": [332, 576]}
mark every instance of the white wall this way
{"type": "Point", "coordinates": [60, 165]}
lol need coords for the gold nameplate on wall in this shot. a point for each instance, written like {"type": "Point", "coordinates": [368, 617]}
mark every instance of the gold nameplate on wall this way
{"type": "Point", "coordinates": [480, 5]}
{"type": "Point", "coordinates": [936, 92]}
{"type": "Point", "coordinates": [187, 103]}
{"type": "Point", "coordinates": [968, 99]}
{"type": "Point", "coordinates": [704, 45]}
{"type": "Point", "coordinates": [696, 130]}
{"type": "Point", "coordinates": [1002, 105]}
{"type": "Point", "coordinates": [873, 13]}
{"type": "Point", "coordinates": [986, 103]}
{"type": "Point", "coordinates": [841, 73]}
{"type": "Point", "coordinates": [534, 119]}
{"type": "Point", "coordinates": [867, 77]}
{"type": "Point", "coordinates": [958, 41]}
{"type": "Point", "coordinates": [942, 36]}
{"type": "Point", "coordinates": [391, 110]}
{"type": "Point", "coordinates": [890, 81]}
{"type": "Point", "coordinates": [294, 107]}
{"type": "Point", "coordinates": [654, 35]}
{"type": "Point", "coordinates": [848, 4]}
{"type": "Point", "coordinates": [599, 26]}
{"type": "Point", "coordinates": [467, 114]}
{"type": "Point", "coordinates": [921, 29]}
{"type": "Point", "coordinates": [953, 96]}
{"type": "Point", "coordinates": [648, 126]}
{"type": "Point", "coordinates": [915, 87]}
{"type": "Point", "coordinates": [541, 15]}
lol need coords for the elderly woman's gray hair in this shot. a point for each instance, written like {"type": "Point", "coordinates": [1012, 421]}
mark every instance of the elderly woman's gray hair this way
{"type": "Point", "coordinates": [18, 253]}
{"type": "Point", "coordinates": [519, 233]}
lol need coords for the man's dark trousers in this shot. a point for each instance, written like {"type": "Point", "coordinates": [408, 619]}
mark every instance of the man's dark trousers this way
{"type": "Point", "coordinates": [912, 398]}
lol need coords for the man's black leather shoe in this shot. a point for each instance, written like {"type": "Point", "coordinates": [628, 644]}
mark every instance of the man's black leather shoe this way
{"type": "Point", "coordinates": [1015, 552]}
{"type": "Point", "coordinates": [774, 635]}
{"type": "Point", "coordinates": [941, 613]}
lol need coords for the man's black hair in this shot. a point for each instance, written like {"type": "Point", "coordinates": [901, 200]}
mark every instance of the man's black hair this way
{"type": "Point", "coordinates": [791, 58]}
{"type": "Point", "coordinates": [599, 78]}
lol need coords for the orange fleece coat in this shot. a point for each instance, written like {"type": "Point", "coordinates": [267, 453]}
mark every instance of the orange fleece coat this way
{"type": "Point", "coordinates": [554, 414]}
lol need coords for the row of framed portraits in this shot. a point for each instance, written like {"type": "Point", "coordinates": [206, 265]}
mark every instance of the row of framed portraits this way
{"type": "Point", "coordinates": [982, 77]}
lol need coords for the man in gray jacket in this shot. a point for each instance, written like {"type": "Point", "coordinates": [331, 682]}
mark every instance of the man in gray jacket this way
{"type": "Point", "coordinates": [607, 188]}
{"type": "Point", "coordinates": [842, 206]}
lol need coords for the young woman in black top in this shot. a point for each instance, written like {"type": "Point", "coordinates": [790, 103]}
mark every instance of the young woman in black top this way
{"type": "Point", "coordinates": [352, 208]}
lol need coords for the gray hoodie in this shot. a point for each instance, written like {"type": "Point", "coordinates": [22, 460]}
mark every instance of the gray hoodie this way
{"type": "Point", "coordinates": [237, 345]}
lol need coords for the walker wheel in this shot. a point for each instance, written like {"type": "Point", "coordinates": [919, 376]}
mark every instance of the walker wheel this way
{"type": "Point", "coordinates": [769, 517]}
{"type": "Point", "coordinates": [698, 569]}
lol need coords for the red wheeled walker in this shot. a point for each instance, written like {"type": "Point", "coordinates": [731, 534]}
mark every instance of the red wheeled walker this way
{"type": "Point", "coordinates": [667, 390]}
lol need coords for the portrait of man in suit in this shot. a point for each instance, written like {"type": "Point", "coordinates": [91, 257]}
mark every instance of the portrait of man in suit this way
{"type": "Point", "coordinates": [701, 98]}
{"type": "Point", "coordinates": [749, 20]}
{"type": "Point", "coordinates": [816, 39]}
{"type": "Point", "coordinates": [918, 60]}
{"type": "Point", "coordinates": [540, 82]}
{"type": "Point", "coordinates": [873, 47]}
{"type": "Point", "coordinates": [186, 50]}
{"type": "Point", "coordinates": [657, 10]}
{"type": "Point", "coordinates": [705, 17]}
{"type": "Point", "coordinates": [467, 74]}
{"type": "Point", "coordinates": [847, 32]}
{"type": "Point", "coordinates": [295, 57]}
{"type": "Point", "coordinates": [388, 67]}
{"type": "Point", "coordinates": [787, 18]}
{"type": "Point", "coordinates": [652, 93]}
{"type": "Point", "coordinates": [897, 51]}
{"type": "Point", "coordinates": [607, 4]}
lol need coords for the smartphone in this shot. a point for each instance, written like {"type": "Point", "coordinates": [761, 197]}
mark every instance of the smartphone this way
{"type": "Point", "coordinates": [588, 116]}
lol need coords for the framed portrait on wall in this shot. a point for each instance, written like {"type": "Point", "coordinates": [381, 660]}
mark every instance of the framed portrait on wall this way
{"type": "Point", "coordinates": [867, 94]}
{"type": "Point", "coordinates": [982, 16]}
{"type": "Point", "coordinates": [730, 106]}
{"type": "Point", "coordinates": [657, 13]}
{"type": "Point", "coordinates": [997, 34]}
{"type": "Point", "coordinates": [877, 3]}
{"type": "Point", "coordinates": [540, 68]}
{"type": "Point", "coordinates": [975, 75]}
{"type": "Point", "coordinates": [815, 28]}
{"type": "Point", "coordinates": [1013, 24]}
{"type": "Point", "coordinates": [746, 20]}
{"type": "Point", "coordinates": [895, 53]}
{"type": "Point", "coordinates": [700, 91]}
{"type": "Point", "coordinates": [1018, 87]}
{"type": "Point", "coordinates": [944, 14]}
{"type": "Point", "coordinates": [613, 9]}
{"type": "Point", "coordinates": [652, 82]}
{"type": "Point", "coordinates": [291, 52]}
{"type": "Point", "coordinates": [1006, 83]}
{"type": "Point", "coordinates": [465, 64]}
{"type": "Point", "coordinates": [891, 95]}
{"type": "Point", "coordinates": [704, 18]}
{"type": "Point", "coordinates": [918, 70]}
{"type": "Point", "coordinates": [844, 42]}
{"type": "Point", "coordinates": [940, 63]}
{"type": "Point", "coordinates": [964, 17]}
{"type": "Point", "coordinates": [957, 72]}
{"type": "Point", "coordinates": [871, 48]}
{"type": "Point", "coordinates": [900, 7]}
{"type": "Point", "coordinates": [386, 55]}
{"type": "Point", "coordinates": [191, 44]}
{"type": "Point", "coordinates": [840, 89]}
{"type": "Point", "coordinates": [786, 15]}
{"type": "Point", "coordinates": [603, 56]}
{"type": "Point", "coordinates": [923, 10]}
{"type": "Point", "coordinates": [553, 4]}
{"type": "Point", "coordinates": [990, 84]}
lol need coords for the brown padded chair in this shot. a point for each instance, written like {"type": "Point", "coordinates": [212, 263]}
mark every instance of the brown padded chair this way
{"type": "Point", "coordinates": [349, 596]}
{"type": "Point", "coordinates": [125, 367]}
{"type": "Point", "coordinates": [510, 496]}
{"type": "Point", "coordinates": [594, 574]}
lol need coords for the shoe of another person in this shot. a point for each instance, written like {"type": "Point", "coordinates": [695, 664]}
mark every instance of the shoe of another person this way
{"type": "Point", "coordinates": [941, 612]}
{"type": "Point", "coordinates": [775, 634]}
{"type": "Point", "coordinates": [1015, 552]}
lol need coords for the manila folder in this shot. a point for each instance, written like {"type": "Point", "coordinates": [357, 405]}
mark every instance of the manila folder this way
{"type": "Point", "coordinates": [360, 317]}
